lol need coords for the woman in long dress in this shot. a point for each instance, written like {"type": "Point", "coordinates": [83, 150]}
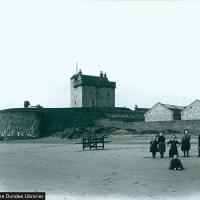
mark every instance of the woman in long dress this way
{"type": "Point", "coordinates": [199, 145]}
{"type": "Point", "coordinates": [161, 145]}
{"type": "Point", "coordinates": [174, 145]}
{"type": "Point", "coordinates": [185, 143]}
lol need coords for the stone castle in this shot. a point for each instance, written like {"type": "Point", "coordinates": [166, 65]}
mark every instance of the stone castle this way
{"type": "Point", "coordinates": [92, 91]}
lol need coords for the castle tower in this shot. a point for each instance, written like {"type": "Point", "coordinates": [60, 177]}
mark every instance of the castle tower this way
{"type": "Point", "coordinates": [92, 91]}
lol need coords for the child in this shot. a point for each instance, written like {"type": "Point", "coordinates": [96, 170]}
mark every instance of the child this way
{"type": "Point", "coordinates": [175, 164]}
{"type": "Point", "coordinates": [174, 145]}
{"type": "Point", "coordinates": [154, 146]}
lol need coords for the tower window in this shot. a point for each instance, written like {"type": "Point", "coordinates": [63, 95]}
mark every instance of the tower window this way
{"type": "Point", "coordinates": [75, 102]}
{"type": "Point", "coordinates": [92, 103]}
{"type": "Point", "coordinates": [108, 94]}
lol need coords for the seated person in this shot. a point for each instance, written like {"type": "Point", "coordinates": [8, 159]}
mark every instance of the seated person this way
{"type": "Point", "coordinates": [175, 164]}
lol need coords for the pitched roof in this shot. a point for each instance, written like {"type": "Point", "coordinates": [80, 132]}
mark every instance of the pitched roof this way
{"type": "Point", "coordinates": [141, 110]}
{"type": "Point", "coordinates": [190, 105]}
{"type": "Point", "coordinates": [174, 108]}
{"type": "Point", "coordinates": [88, 80]}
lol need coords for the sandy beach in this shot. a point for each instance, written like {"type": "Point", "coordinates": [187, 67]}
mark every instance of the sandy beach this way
{"type": "Point", "coordinates": [124, 170]}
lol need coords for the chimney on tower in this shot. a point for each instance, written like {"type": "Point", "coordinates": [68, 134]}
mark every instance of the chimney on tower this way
{"type": "Point", "coordinates": [101, 74]}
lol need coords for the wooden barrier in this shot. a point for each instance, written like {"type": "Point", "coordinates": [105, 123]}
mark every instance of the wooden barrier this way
{"type": "Point", "coordinates": [93, 142]}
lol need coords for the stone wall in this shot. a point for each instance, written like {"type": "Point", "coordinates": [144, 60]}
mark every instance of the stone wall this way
{"type": "Point", "coordinates": [58, 119]}
{"type": "Point", "coordinates": [179, 125]}
{"type": "Point", "coordinates": [33, 122]}
{"type": "Point", "coordinates": [20, 123]}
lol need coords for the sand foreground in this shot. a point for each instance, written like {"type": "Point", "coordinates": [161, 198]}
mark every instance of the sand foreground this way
{"type": "Point", "coordinates": [121, 171]}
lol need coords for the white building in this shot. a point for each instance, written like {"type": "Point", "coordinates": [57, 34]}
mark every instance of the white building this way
{"type": "Point", "coordinates": [163, 112]}
{"type": "Point", "coordinates": [191, 112]}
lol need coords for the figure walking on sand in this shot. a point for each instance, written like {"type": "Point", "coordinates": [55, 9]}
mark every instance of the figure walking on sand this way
{"type": "Point", "coordinates": [174, 145]}
{"type": "Point", "coordinates": [161, 145]}
{"type": "Point", "coordinates": [154, 146]}
{"type": "Point", "coordinates": [185, 143]}
{"type": "Point", "coordinates": [176, 164]}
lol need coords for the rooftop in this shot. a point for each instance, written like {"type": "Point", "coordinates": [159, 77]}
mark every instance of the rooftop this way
{"type": "Point", "coordinates": [174, 108]}
{"type": "Point", "coordinates": [89, 80]}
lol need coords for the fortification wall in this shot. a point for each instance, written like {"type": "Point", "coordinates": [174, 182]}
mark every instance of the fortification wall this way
{"type": "Point", "coordinates": [33, 122]}
{"type": "Point", "coordinates": [179, 125]}
{"type": "Point", "coordinates": [58, 119]}
{"type": "Point", "coordinates": [20, 123]}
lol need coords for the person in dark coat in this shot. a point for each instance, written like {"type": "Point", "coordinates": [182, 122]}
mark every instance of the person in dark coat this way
{"type": "Point", "coordinates": [154, 146]}
{"type": "Point", "coordinates": [185, 143]}
{"type": "Point", "coordinates": [176, 164]}
{"type": "Point", "coordinates": [161, 145]}
{"type": "Point", "coordinates": [199, 145]}
{"type": "Point", "coordinates": [174, 145]}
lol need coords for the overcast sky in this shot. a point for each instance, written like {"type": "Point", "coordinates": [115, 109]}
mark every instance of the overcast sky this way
{"type": "Point", "coordinates": [150, 48]}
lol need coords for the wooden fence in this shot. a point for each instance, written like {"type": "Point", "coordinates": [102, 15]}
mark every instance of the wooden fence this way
{"type": "Point", "coordinates": [93, 142]}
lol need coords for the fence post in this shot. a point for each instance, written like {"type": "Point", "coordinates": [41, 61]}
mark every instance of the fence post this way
{"type": "Point", "coordinates": [90, 142]}
{"type": "Point", "coordinates": [95, 142]}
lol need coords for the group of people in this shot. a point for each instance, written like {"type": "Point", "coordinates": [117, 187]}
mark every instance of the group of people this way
{"type": "Point", "coordinates": [158, 144]}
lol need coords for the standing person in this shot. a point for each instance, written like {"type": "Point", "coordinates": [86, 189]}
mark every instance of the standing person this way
{"type": "Point", "coordinates": [185, 143]}
{"type": "Point", "coordinates": [199, 145]}
{"type": "Point", "coordinates": [161, 145]}
{"type": "Point", "coordinates": [174, 145]}
{"type": "Point", "coordinates": [154, 146]}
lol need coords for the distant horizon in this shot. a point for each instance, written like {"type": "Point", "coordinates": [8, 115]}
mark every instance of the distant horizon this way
{"type": "Point", "coordinates": [132, 108]}
{"type": "Point", "coordinates": [68, 106]}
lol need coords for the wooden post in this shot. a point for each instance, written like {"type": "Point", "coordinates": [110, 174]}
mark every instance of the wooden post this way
{"type": "Point", "coordinates": [95, 142]}
{"type": "Point", "coordinates": [83, 143]}
{"type": "Point", "coordinates": [103, 142]}
{"type": "Point", "coordinates": [90, 142]}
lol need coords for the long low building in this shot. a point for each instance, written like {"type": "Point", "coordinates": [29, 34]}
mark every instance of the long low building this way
{"type": "Point", "coordinates": [163, 112]}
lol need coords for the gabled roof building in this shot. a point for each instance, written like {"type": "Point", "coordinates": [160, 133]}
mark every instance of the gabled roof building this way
{"type": "Point", "coordinates": [163, 112]}
{"type": "Point", "coordinates": [191, 112]}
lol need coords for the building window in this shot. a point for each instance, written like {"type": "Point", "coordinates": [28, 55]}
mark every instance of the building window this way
{"type": "Point", "coordinates": [108, 94]}
{"type": "Point", "coordinates": [75, 102]}
{"type": "Point", "coordinates": [92, 103]}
